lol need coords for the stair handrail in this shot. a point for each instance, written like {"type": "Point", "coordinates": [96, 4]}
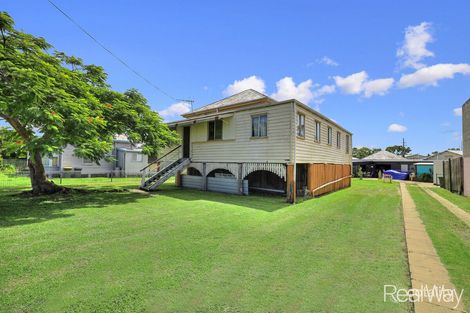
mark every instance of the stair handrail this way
{"type": "Point", "coordinates": [160, 158]}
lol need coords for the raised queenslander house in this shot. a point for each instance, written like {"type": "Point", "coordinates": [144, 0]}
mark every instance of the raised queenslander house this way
{"type": "Point", "coordinates": [250, 142]}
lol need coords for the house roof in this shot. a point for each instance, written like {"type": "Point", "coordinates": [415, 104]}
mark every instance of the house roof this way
{"type": "Point", "coordinates": [457, 153]}
{"type": "Point", "coordinates": [384, 155]}
{"type": "Point", "coordinates": [244, 100]}
{"type": "Point", "coordinates": [245, 96]}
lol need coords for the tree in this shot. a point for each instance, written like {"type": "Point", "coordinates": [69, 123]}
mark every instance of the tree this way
{"type": "Point", "coordinates": [399, 150]}
{"type": "Point", "coordinates": [363, 152]}
{"type": "Point", "coordinates": [51, 100]}
{"type": "Point", "coordinates": [11, 144]}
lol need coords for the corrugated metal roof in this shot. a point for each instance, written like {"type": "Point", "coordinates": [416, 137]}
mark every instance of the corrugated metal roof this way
{"type": "Point", "coordinates": [242, 97]}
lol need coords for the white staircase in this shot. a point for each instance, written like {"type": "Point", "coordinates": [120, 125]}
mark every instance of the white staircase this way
{"type": "Point", "coordinates": [159, 171]}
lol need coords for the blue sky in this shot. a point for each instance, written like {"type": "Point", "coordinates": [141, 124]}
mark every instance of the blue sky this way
{"type": "Point", "coordinates": [384, 70]}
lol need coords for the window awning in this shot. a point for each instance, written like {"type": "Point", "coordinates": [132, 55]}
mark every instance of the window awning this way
{"type": "Point", "coordinates": [200, 119]}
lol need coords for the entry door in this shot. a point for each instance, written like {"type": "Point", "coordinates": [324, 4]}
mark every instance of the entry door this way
{"type": "Point", "coordinates": [186, 139]}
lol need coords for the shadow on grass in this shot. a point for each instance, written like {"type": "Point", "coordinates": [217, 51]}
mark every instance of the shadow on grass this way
{"type": "Point", "coordinates": [268, 203]}
{"type": "Point", "coordinates": [18, 209]}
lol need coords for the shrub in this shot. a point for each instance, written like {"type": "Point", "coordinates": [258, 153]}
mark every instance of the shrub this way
{"type": "Point", "coordinates": [425, 177]}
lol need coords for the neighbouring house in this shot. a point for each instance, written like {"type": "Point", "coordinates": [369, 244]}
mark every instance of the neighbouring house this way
{"type": "Point", "coordinates": [128, 159]}
{"type": "Point", "coordinates": [416, 156]}
{"type": "Point", "coordinates": [466, 146]}
{"type": "Point", "coordinates": [382, 161]}
{"type": "Point", "coordinates": [250, 142]}
{"type": "Point", "coordinates": [438, 158]}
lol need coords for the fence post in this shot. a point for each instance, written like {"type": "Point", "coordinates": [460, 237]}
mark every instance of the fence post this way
{"type": "Point", "coordinates": [450, 175]}
{"type": "Point", "coordinates": [60, 178]}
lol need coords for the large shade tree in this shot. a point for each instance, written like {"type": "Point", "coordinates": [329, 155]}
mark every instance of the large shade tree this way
{"type": "Point", "coordinates": [51, 99]}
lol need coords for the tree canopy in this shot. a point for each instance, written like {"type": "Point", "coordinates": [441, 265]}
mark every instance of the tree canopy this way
{"type": "Point", "coordinates": [399, 150]}
{"type": "Point", "coordinates": [362, 152]}
{"type": "Point", "coordinates": [11, 144]}
{"type": "Point", "coordinates": [51, 99]}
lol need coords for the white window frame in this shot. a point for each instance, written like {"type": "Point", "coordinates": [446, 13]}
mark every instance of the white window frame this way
{"type": "Point", "coordinates": [338, 139]}
{"type": "Point", "coordinates": [300, 125]}
{"type": "Point", "coordinates": [347, 144]}
{"type": "Point", "coordinates": [215, 130]}
{"type": "Point", "coordinates": [330, 136]}
{"type": "Point", "coordinates": [259, 134]}
{"type": "Point", "coordinates": [317, 131]}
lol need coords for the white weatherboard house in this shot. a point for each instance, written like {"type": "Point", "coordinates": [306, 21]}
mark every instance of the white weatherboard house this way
{"type": "Point", "coordinates": [251, 142]}
{"type": "Point", "coordinates": [127, 160]}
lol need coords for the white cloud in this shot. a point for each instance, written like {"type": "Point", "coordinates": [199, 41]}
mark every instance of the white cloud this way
{"type": "Point", "coordinates": [175, 110]}
{"type": "Point", "coordinates": [432, 74]}
{"type": "Point", "coordinates": [397, 128]}
{"type": "Point", "coordinates": [377, 87]}
{"type": "Point", "coordinates": [458, 111]}
{"type": "Point", "coordinates": [414, 48]}
{"type": "Point", "coordinates": [351, 84]}
{"type": "Point", "coordinates": [322, 91]}
{"type": "Point", "coordinates": [205, 88]}
{"type": "Point", "coordinates": [286, 89]}
{"type": "Point", "coordinates": [358, 83]}
{"type": "Point", "coordinates": [327, 61]}
{"type": "Point", "coordinates": [252, 82]}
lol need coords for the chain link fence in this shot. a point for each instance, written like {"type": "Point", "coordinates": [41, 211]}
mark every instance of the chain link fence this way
{"type": "Point", "coordinates": [21, 180]}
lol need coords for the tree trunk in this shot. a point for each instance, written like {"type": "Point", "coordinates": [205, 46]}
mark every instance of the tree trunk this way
{"type": "Point", "coordinates": [39, 182]}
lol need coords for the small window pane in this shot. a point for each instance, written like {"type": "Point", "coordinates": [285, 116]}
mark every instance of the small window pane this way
{"type": "Point", "coordinates": [317, 131]}
{"type": "Point", "coordinates": [330, 135]}
{"type": "Point", "coordinates": [218, 129]}
{"type": "Point", "coordinates": [263, 123]}
{"type": "Point", "coordinates": [211, 130]}
{"type": "Point", "coordinates": [338, 139]}
{"type": "Point", "coordinates": [255, 126]}
{"type": "Point", "coordinates": [301, 125]}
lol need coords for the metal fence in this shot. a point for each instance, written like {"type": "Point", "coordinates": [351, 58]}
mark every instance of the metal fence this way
{"type": "Point", "coordinates": [21, 180]}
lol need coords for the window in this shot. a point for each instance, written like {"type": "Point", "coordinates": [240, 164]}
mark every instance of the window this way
{"type": "Point", "coordinates": [347, 144]}
{"type": "Point", "coordinates": [317, 131]}
{"type": "Point", "coordinates": [338, 140]}
{"type": "Point", "coordinates": [51, 161]}
{"type": "Point", "coordinates": [137, 157]}
{"type": "Point", "coordinates": [259, 126]}
{"type": "Point", "coordinates": [300, 125]}
{"type": "Point", "coordinates": [215, 130]}
{"type": "Point", "coordinates": [330, 135]}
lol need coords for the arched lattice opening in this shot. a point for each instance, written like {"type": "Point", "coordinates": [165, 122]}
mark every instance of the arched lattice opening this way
{"type": "Point", "coordinates": [265, 181]}
{"type": "Point", "coordinates": [221, 172]}
{"type": "Point", "coordinates": [193, 171]}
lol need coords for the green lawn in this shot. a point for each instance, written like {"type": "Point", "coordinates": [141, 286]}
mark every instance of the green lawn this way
{"type": "Point", "coordinates": [450, 237]}
{"type": "Point", "coordinates": [460, 201]}
{"type": "Point", "coordinates": [190, 251]}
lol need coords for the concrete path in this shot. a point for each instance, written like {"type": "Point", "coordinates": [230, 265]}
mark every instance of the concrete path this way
{"type": "Point", "coordinates": [425, 265]}
{"type": "Point", "coordinates": [461, 214]}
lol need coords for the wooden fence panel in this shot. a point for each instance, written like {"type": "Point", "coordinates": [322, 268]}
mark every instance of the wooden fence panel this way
{"type": "Point", "coordinates": [320, 174]}
{"type": "Point", "coordinates": [453, 175]}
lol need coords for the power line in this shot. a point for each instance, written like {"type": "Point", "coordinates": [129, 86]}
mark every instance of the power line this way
{"type": "Point", "coordinates": [112, 53]}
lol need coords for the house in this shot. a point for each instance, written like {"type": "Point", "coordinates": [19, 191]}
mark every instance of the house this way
{"type": "Point", "coordinates": [438, 158]}
{"type": "Point", "coordinates": [466, 146]}
{"type": "Point", "coordinates": [382, 161]}
{"type": "Point", "coordinates": [127, 160]}
{"type": "Point", "coordinates": [250, 142]}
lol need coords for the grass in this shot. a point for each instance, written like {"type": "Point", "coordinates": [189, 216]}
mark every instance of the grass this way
{"type": "Point", "coordinates": [450, 237]}
{"type": "Point", "coordinates": [458, 200]}
{"type": "Point", "coordinates": [190, 251]}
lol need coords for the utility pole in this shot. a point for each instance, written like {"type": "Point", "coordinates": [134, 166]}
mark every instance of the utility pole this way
{"type": "Point", "coordinates": [403, 150]}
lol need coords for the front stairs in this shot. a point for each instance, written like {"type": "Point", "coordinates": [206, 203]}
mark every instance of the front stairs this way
{"type": "Point", "coordinates": [153, 181]}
